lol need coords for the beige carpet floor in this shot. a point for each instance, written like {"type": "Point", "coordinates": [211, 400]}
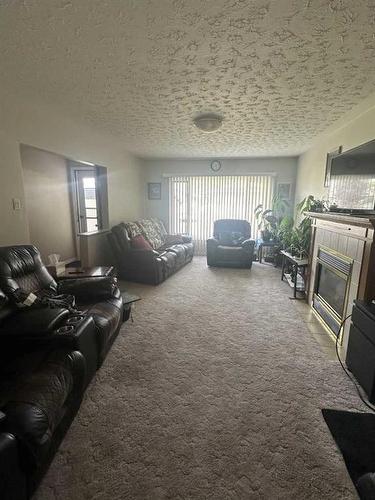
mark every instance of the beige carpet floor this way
{"type": "Point", "coordinates": [214, 392]}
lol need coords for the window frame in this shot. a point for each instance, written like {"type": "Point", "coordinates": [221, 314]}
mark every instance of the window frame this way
{"type": "Point", "coordinates": [101, 194]}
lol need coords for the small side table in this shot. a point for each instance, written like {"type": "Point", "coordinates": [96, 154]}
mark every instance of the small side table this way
{"type": "Point", "coordinates": [264, 244]}
{"type": "Point", "coordinates": [128, 300]}
{"type": "Point", "coordinates": [296, 265]}
{"type": "Point", "coordinates": [86, 272]}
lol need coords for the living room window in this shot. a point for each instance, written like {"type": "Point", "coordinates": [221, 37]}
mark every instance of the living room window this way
{"type": "Point", "coordinates": [195, 202]}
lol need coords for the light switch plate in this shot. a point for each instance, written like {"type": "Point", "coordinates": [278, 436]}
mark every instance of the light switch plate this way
{"type": "Point", "coordinates": [16, 204]}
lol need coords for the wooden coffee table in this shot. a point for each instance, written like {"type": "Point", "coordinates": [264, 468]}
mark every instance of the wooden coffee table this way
{"type": "Point", "coordinates": [86, 272]}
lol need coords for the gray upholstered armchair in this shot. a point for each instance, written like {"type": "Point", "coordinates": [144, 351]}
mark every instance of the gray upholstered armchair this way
{"type": "Point", "coordinates": [231, 245]}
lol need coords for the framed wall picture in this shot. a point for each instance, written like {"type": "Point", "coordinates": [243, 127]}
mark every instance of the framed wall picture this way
{"type": "Point", "coordinates": [330, 156]}
{"type": "Point", "coordinates": [284, 190]}
{"type": "Point", "coordinates": [154, 190]}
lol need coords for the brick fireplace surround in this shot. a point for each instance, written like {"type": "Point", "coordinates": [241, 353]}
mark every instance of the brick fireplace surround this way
{"type": "Point", "coordinates": [351, 239]}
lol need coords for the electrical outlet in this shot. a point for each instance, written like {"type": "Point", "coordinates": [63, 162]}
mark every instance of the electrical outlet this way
{"type": "Point", "coordinates": [16, 204]}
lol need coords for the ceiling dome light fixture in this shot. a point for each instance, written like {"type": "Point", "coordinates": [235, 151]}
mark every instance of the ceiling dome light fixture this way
{"type": "Point", "coordinates": [208, 122]}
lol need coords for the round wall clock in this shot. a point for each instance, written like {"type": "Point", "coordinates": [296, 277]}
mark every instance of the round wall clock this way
{"type": "Point", "coordinates": [215, 165]}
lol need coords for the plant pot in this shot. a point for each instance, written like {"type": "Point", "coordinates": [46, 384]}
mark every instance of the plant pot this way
{"type": "Point", "coordinates": [266, 235]}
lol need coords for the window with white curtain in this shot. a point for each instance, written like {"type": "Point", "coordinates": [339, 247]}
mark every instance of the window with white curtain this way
{"type": "Point", "coordinates": [195, 202]}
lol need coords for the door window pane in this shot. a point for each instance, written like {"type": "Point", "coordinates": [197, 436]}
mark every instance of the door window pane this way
{"type": "Point", "coordinates": [87, 205]}
{"type": "Point", "coordinates": [91, 213]}
{"type": "Point", "coordinates": [92, 225]}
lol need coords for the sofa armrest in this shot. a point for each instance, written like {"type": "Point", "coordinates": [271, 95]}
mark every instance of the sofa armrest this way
{"type": "Point", "coordinates": [186, 238]}
{"type": "Point", "coordinates": [139, 258]}
{"type": "Point", "coordinates": [89, 288]}
{"type": "Point", "coordinates": [212, 243]}
{"type": "Point", "coordinates": [77, 332]}
{"type": "Point", "coordinates": [63, 334]}
{"type": "Point", "coordinates": [248, 244]}
{"type": "Point", "coordinates": [12, 479]}
{"type": "Point", "coordinates": [38, 321]}
{"type": "Point", "coordinates": [142, 254]}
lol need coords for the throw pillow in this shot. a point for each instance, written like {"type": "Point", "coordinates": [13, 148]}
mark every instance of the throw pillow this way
{"type": "Point", "coordinates": [140, 243]}
{"type": "Point", "coordinates": [133, 229]}
{"type": "Point", "coordinates": [151, 232]}
{"type": "Point", "coordinates": [159, 223]}
{"type": "Point", "coordinates": [173, 239]}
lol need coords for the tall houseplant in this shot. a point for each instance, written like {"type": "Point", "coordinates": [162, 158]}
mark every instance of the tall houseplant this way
{"type": "Point", "coordinates": [270, 220]}
{"type": "Point", "coordinates": [300, 237]}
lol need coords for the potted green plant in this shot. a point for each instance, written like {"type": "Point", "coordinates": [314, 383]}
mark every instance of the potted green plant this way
{"type": "Point", "coordinates": [300, 236]}
{"type": "Point", "coordinates": [269, 219]}
{"type": "Point", "coordinates": [312, 204]}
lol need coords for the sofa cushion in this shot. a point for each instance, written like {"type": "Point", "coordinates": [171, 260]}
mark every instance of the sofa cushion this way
{"type": "Point", "coordinates": [180, 252]}
{"type": "Point", "coordinates": [230, 238]}
{"type": "Point", "coordinates": [173, 239]}
{"type": "Point", "coordinates": [159, 223]}
{"type": "Point", "coordinates": [151, 232]}
{"type": "Point", "coordinates": [133, 229]}
{"type": "Point", "coordinates": [140, 243]}
{"type": "Point", "coordinates": [169, 260]}
{"type": "Point", "coordinates": [189, 249]}
{"type": "Point", "coordinates": [229, 253]}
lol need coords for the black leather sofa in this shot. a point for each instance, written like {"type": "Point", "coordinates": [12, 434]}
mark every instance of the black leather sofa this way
{"type": "Point", "coordinates": [165, 255]}
{"type": "Point", "coordinates": [231, 244]}
{"type": "Point", "coordinates": [47, 358]}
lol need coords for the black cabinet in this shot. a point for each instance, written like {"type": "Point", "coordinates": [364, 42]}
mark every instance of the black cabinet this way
{"type": "Point", "coordinates": [360, 356]}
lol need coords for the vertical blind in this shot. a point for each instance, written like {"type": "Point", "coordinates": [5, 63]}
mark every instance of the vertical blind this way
{"type": "Point", "coordinates": [195, 202]}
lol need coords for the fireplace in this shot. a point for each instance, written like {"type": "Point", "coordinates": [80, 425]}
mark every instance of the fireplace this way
{"type": "Point", "coordinates": [332, 280]}
{"type": "Point", "coordinates": [342, 268]}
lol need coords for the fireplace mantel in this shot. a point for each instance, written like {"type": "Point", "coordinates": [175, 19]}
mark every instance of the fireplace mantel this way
{"type": "Point", "coordinates": [352, 220]}
{"type": "Point", "coordinates": [351, 237]}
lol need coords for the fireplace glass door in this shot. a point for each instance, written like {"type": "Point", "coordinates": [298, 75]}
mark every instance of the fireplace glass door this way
{"type": "Point", "coordinates": [332, 280]}
{"type": "Point", "coordinates": [331, 288]}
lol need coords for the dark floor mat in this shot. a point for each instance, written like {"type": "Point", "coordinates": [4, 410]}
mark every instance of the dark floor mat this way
{"type": "Point", "coordinates": [354, 434]}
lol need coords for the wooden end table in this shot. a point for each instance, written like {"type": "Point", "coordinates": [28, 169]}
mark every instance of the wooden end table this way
{"type": "Point", "coordinates": [86, 272]}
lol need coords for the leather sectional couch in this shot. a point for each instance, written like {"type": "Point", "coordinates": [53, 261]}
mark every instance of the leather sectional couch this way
{"type": "Point", "coordinates": [160, 255]}
{"type": "Point", "coordinates": [48, 355]}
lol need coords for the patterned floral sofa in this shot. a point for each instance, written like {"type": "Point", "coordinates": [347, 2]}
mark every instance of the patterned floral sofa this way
{"type": "Point", "coordinates": [146, 253]}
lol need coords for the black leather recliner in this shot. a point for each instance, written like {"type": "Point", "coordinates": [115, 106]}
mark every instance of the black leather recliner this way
{"type": "Point", "coordinates": [231, 245]}
{"type": "Point", "coordinates": [98, 300]}
{"type": "Point", "coordinates": [40, 393]}
{"type": "Point", "coordinates": [47, 358]}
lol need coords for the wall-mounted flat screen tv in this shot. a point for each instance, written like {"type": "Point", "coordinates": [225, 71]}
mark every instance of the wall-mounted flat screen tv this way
{"type": "Point", "coordinates": [352, 180]}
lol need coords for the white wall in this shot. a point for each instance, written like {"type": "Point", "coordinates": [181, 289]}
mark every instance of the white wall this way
{"type": "Point", "coordinates": [47, 202]}
{"type": "Point", "coordinates": [354, 129]}
{"type": "Point", "coordinates": [35, 124]}
{"type": "Point", "coordinates": [155, 171]}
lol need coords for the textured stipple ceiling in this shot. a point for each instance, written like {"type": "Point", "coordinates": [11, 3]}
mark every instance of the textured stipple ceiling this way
{"type": "Point", "coordinates": [279, 71]}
